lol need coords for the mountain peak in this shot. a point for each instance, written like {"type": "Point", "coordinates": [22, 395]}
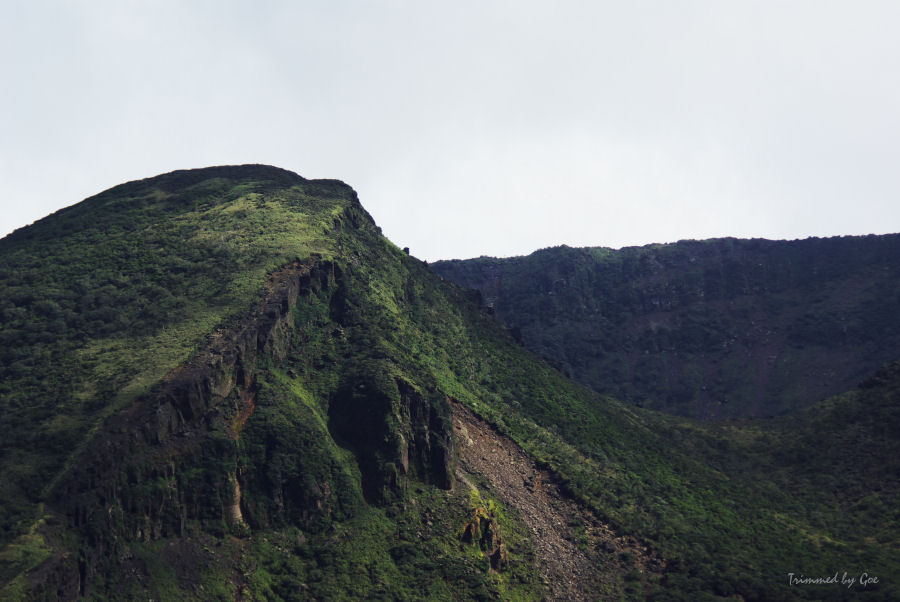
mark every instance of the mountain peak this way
{"type": "Point", "coordinates": [226, 383]}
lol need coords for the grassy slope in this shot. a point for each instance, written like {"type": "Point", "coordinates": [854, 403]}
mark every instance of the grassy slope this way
{"type": "Point", "coordinates": [708, 502]}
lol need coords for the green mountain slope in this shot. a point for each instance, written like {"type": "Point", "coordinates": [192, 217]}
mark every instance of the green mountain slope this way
{"type": "Point", "coordinates": [720, 328]}
{"type": "Point", "coordinates": [226, 384]}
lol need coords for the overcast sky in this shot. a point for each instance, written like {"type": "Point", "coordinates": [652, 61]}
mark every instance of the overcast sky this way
{"type": "Point", "coordinates": [472, 128]}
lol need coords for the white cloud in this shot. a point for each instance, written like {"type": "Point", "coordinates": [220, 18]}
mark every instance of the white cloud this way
{"type": "Point", "coordinates": [474, 128]}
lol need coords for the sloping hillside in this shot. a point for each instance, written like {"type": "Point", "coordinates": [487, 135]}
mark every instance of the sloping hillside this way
{"type": "Point", "coordinates": [226, 384]}
{"type": "Point", "coordinates": [715, 329]}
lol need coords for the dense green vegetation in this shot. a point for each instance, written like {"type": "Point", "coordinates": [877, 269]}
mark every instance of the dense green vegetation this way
{"type": "Point", "coordinates": [102, 299]}
{"type": "Point", "coordinates": [331, 433]}
{"type": "Point", "coordinates": [720, 328]}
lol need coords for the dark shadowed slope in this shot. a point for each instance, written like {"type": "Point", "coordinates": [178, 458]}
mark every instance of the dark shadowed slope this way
{"type": "Point", "coordinates": [711, 329]}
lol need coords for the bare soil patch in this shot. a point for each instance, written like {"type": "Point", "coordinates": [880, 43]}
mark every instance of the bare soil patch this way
{"type": "Point", "coordinates": [586, 565]}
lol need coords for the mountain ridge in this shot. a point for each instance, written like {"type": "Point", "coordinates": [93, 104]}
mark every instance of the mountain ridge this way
{"type": "Point", "coordinates": [715, 328]}
{"type": "Point", "coordinates": [293, 424]}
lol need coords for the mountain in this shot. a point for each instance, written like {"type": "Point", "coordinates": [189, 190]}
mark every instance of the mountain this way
{"type": "Point", "coordinates": [225, 383]}
{"type": "Point", "coordinates": [713, 329]}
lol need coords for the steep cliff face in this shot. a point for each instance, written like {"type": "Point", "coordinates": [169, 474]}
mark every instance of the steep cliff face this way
{"type": "Point", "coordinates": [177, 455]}
{"type": "Point", "coordinates": [711, 329]}
{"type": "Point", "coordinates": [394, 431]}
{"type": "Point", "coordinates": [136, 478]}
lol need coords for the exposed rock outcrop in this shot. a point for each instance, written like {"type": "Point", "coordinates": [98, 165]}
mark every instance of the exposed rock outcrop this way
{"type": "Point", "coordinates": [130, 482]}
{"type": "Point", "coordinates": [484, 531]}
{"type": "Point", "coordinates": [395, 430]}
